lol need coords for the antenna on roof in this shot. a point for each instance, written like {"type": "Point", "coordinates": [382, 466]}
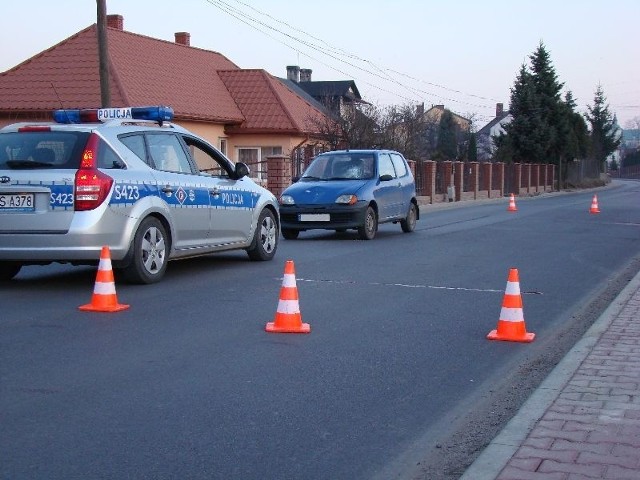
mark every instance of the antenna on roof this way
{"type": "Point", "coordinates": [53, 87]}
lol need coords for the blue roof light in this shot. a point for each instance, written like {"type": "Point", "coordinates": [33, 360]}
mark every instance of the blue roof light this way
{"type": "Point", "coordinates": [154, 113]}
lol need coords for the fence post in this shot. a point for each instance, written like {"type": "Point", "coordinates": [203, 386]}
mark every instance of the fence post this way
{"type": "Point", "coordinates": [487, 179]}
{"type": "Point", "coordinates": [458, 176]}
{"type": "Point", "coordinates": [475, 173]}
{"type": "Point", "coordinates": [500, 166]}
{"type": "Point", "coordinates": [535, 177]}
{"type": "Point", "coordinates": [429, 179]}
{"type": "Point", "coordinates": [278, 173]}
{"type": "Point", "coordinates": [517, 177]}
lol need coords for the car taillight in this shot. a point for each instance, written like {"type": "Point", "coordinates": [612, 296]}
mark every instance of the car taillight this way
{"type": "Point", "coordinates": [91, 185]}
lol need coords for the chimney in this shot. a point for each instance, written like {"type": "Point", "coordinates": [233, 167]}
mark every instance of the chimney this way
{"type": "Point", "coordinates": [293, 73]}
{"type": "Point", "coordinates": [183, 38]}
{"type": "Point", "coordinates": [499, 109]}
{"type": "Point", "coordinates": [420, 109]}
{"type": "Point", "coordinates": [115, 21]}
{"type": "Point", "coordinates": [305, 74]}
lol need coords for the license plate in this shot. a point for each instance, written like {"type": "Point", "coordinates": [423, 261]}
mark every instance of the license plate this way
{"type": "Point", "coordinates": [17, 202]}
{"type": "Point", "coordinates": [314, 217]}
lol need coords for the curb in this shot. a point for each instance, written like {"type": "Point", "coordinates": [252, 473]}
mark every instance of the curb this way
{"type": "Point", "coordinates": [497, 454]}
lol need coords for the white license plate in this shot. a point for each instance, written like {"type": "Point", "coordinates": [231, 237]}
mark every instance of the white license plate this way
{"type": "Point", "coordinates": [17, 202]}
{"type": "Point", "coordinates": [314, 217]}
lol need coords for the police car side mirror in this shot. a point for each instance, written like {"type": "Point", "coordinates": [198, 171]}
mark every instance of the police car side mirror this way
{"type": "Point", "coordinates": [242, 170]}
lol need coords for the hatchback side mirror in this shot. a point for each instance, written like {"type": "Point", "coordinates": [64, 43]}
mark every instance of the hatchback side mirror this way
{"type": "Point", "coordinates": [386, 177]}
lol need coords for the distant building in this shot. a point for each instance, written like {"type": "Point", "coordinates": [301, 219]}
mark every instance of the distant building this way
{"type": "Point", "coordinates": [485, 142]}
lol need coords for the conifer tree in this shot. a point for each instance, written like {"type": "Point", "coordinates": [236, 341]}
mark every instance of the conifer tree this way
{"type": "Point", "coordinates": [447, 144]}
{"type": "Point", "coordinates": [604, 132]}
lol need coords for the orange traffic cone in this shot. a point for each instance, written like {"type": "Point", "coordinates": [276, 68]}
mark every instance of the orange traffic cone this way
{"type": "Point", "coordinates": [288, 319]}
{"type": "Point", "coordinates": [104, 297]}
{"type": "Point", "coordinates": [512, 204]}
{"type": "Point", "coordinates": [594, 205]}
{"type": "Point", "coordinates": [511, 325]}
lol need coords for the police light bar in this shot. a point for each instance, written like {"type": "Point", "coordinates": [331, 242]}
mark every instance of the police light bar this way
{"type": "Point", "coordinates": [156, 113]}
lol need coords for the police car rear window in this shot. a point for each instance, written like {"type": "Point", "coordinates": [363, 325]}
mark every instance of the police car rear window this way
{"type": "Point", "coordinates": [50, 150]}
{"type": "Point", "coordinates": [35, 150]}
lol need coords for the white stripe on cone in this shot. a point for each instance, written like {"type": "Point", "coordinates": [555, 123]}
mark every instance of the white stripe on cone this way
{"type": "Point", "coordinates": [288, 306]}
{"type": "Point", "coordinates": [511, 314]}
{"type": "Point", "coordinates": [102, 288]}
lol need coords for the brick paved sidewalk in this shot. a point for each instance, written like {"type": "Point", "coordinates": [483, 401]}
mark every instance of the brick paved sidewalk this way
{"type": "Point", "coordinates": [583, 421]}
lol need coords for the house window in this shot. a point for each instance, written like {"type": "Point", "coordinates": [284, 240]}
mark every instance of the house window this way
{"type": "Point", "coordinates": [251, 156]}
{"type": "Point", "coordinates": [223, 146]}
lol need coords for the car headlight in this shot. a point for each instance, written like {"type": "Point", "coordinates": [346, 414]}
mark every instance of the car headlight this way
{"type": "Point", "coordinates": [286, 200]}
{"type": "Point", "coordinates": [347, 199]}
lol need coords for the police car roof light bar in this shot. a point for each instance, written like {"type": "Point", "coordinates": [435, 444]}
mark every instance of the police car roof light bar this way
{"type": "Point", "coordinates": [158, 114]}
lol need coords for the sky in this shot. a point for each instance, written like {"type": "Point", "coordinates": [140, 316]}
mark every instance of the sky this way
{"type": "Point", "coordinates": [464, 55]}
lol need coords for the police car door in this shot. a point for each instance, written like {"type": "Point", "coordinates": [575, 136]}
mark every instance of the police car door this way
{"type": "Point", "coordinates": [233, 200]}
{"type": "Point", "coordinates": [180, 187]}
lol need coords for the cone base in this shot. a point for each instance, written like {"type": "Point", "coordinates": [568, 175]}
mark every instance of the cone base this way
{"type": "Point", "coordinates": [594, 211]}
{"type": "Point", "coordinates": [512, 210]}
{"type": "Point", "coordinates": [272, 327]}
{"type": "Point", "coordinates": [526, 338]}
{"type": "Point", "coordinates": [89, 307]}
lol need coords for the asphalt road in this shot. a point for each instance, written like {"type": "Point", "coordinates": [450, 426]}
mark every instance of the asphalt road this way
{"type": "Point", "coordinates": [395, 380]}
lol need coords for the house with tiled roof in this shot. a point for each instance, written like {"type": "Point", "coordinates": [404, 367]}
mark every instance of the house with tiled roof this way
{"type": "Point", "coordinates": [248, 114]}
{"type": "Point", "coordinates": [338, 96]}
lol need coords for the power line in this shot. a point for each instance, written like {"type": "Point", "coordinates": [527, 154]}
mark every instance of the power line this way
{"type": "Point", "coordinates": [336, 54]}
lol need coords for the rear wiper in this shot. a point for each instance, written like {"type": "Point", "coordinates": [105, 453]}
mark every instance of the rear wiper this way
{"type": "Point", "coordinates": [27, 164]}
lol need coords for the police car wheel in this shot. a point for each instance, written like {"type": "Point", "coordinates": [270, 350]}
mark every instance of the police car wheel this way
{"type": "Point", "coordinates": [149, 253]}
{"type": "Point", "coordinates": [8, 270]}
{"type": "Point", "coordinates": [265, 240]}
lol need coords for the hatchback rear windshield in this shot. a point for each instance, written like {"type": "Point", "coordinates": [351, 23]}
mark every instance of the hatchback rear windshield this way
{"type": "Point", "coordinates": [24, 150]}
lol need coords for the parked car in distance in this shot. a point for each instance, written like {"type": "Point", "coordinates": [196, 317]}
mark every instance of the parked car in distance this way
{"type": "Point", "coordinates": [129, 179]}
{"type": "Point", "coordinates": [351, 189]}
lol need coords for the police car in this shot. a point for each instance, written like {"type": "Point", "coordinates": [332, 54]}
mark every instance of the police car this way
{"type": "Point", "coordinates": [129, 179]}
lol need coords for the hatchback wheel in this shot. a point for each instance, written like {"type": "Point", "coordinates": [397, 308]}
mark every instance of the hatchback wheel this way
{"type": "Point", "coordinates": [148, 253]}
{"type": "Point", "coordinates": [409, 223]}
{"type": "Point", "coordinates": [370, 227]}
{"type": "Point", "coordinates": [265, 241]}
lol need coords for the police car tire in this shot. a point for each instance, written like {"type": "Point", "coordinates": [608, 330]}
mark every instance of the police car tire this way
{"type": "Point", "coordinates": [257, 250]}
{"type": "Point", "coordinates": [135, 271]}
{"type": "Point", "coordinates": [8, 270]}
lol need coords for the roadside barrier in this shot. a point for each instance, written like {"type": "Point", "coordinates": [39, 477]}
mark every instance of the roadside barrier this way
{"type": "Point", "coordinates": [104, 297]}
{"type": "Point", "coordinates": [511, 325]}
{"type": "Point", "coordinates": [288, 318]}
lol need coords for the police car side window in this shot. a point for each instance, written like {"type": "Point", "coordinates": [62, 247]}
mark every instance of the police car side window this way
{"type": "Point", "coordinates": [207, 159]}
{"type": "Point", "coordinates": [135, 143]}
{"type": "Point", "coordinates": [167, 153]}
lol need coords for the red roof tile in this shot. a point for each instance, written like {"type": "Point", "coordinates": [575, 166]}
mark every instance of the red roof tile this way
{"type": "Point", "coordinates": [267, 104]}
{"type": "Point", "coordinates": [198, 84]}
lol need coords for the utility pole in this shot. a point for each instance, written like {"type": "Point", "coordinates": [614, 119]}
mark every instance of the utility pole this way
{"type": "Point", "coordinates": [103, 53]}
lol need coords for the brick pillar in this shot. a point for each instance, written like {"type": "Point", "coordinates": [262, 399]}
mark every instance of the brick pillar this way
{"type": "Point", "coordinates": [500, 186]}
{"type": "Point", "coordinates": [278, 173]}
{"type": "Point", "coordinates": [412, 167]}
{"type": "Point", "coordinates": [429, 179]}
{"type": "Point", "coordinates": [475, 178]}
{"type": "Point", "coordinates": [458, 176]}
{"type": "Point", "coordinates": [552, 181]}
{"type": "Point", "coordinates": [517, 180]}
{"type": "Point", "coordinates": [535, 177]}
{"type": "Point", "coordinates": [526, 173]}
{"type": "Point", "coordinates": [487, 179]}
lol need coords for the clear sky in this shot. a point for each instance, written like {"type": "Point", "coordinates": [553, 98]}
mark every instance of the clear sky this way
{"type": "Point", "coordinates": [463, 54]}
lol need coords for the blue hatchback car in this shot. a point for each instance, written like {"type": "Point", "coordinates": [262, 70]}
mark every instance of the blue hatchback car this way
{"type": "Point", "coordinates": [351, 189]}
